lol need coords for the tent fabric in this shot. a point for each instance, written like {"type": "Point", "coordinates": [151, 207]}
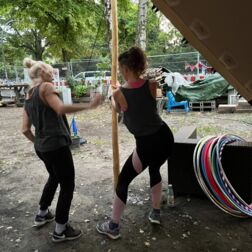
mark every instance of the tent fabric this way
{"type": "Point", "coordinates": [210, 88]}
{"type": "Point", "coordinates": [175, 80]}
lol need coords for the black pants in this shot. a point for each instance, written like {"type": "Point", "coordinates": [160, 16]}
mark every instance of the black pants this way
{"type": "Point", "coordinates": [153, 151]}
{"type": "Point", "coordinates": [59, 164]}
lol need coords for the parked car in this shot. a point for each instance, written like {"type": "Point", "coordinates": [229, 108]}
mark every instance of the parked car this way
{"type": "Point", "coordinates": [94, 77]}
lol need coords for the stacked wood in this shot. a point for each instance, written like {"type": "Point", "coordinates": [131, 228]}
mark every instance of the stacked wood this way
{"type": "Point", "coordinates": [156, 74]}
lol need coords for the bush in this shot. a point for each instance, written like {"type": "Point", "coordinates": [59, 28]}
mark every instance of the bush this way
{"type": "Point", "coordinates": [80, 90]}
{"type": "Point", "coordinates": [71, 82]}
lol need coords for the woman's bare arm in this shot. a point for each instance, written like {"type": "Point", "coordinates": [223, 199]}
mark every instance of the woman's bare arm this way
{"type": "Point", "coordinates": [26, 127]}
{"type": "Point", "coordinates": [153, 88]}
{"type": "Point", "coordinates": [53, 100]}
{"type": "Point", "coordinates": [115, 105]}
{"type": "Point", "coordinates": [118, 101]}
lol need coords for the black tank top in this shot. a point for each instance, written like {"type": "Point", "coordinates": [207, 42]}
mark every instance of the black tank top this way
{"type": "Point", "coordinates": [141, 117]}
{"type": "Point", "coordinates": [51, 130]}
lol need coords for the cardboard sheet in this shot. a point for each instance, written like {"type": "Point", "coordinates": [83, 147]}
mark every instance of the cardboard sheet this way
{"type": "Point", "coordinates": [221, 31]}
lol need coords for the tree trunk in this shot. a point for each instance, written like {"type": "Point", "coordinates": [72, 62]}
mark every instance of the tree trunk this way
{"type": "Point", "coordinates": [65, 30]}
{"type": "Point", "coordinates": [108, 17]}
{"type": "Point", "coordinates": [65, 54]}
{"type": "Point", "coordinates": [39, 49]}
{"type": "Point", "coordinates": [66, 62]}
{"type": "Point", "coordinates": [38, 55]}
{"type": "Point", "coordinates": [141, 24]}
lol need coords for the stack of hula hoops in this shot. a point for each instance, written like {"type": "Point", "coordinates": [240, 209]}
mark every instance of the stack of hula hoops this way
{"type": "Point", "coordinates": [212, 178]}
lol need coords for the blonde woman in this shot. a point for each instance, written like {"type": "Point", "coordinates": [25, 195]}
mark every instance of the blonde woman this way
{"type": "Point", "coordinates": [46, 112]}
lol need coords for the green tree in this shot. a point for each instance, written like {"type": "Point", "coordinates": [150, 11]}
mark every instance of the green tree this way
{"type": "Point", "coordinates": [127, 22]}
{"type": "Point", "coordinates": [62, 24]}
{"type": "Point", "coordinates": [72, 29]}
{"type": "Point", "coordinates": [163, 41]}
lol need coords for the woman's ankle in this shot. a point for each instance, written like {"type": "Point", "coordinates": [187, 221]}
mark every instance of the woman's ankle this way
{"type": "Point", "coordinates": [113, 225]}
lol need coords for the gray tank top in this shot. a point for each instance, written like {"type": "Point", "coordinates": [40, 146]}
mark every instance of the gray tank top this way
{"type": "Point", "coordinates": [141, 117]}
{"type": "Point", "coordinates": [51, 130]}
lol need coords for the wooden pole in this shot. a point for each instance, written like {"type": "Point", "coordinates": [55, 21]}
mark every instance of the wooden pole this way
{"type": "Point", "coordinates": [116, 162]}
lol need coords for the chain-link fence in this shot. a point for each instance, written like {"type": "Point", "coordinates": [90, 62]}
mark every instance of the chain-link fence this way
{"type": "Point", "coordinates": [75, 67]}
{"type": "Point", "coordinates": [10, 73]}
{"type": "Point", "coordinates": [184, 63]}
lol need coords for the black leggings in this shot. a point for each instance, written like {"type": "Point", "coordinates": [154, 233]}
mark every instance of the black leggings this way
{"type": "Point", "coordinates": [59, 164]}
{"type": "Point", "coordinates": [153, 151]}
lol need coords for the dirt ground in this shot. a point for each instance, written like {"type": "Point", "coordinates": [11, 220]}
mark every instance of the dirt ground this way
{"type": "Point", "coordinates": [193, 225]}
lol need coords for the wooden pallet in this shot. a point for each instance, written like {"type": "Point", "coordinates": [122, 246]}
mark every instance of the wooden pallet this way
{"type": "Point", "coordinates": [202, 105]}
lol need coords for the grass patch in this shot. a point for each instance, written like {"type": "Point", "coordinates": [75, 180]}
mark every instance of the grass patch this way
{"type": "Point", "coordinates": [97, 141]}
{"type": "Point", "coordinates": [209, 130]}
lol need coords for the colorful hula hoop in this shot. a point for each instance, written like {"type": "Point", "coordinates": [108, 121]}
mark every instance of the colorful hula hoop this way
{"type": "Point", "coordinates": [212, 178]}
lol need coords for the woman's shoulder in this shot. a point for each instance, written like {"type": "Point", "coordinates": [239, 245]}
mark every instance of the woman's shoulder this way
{"type": "Point", "coordinates": [152, 84]}
{"type": "Point", "coordinates": [46, 85]}
{"type": "Point", "coordinates": [151, 81]}
{"type": "Point", "coordinates": [47, 88]}
{"type": "Point", "coordinates": [152, 87]}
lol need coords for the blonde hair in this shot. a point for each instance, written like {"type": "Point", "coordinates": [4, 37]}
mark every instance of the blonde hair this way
{"type": "Point", "coordinates": [35, 67]}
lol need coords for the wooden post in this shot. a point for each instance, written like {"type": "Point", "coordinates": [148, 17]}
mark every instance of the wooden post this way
{"type": "Point", "coordinates": [116, 162]}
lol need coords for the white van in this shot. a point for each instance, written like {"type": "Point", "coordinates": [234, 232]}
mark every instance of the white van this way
{"type": "Point", "coordinates": [94, 77]}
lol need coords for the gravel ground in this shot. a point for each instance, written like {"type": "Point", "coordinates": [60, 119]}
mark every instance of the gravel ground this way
{"type": "Point", "coordinates": [193, 225]}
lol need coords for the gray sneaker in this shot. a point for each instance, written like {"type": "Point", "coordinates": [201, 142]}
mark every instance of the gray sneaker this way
{"type": "Point", "coordinates": [68, 234]}
{"type": "Point", "coordinates": [42, 220]}
{"type": "Point", "coordinates": [154, 217]}
{"type": "Point", "coordinates": [103, 228]}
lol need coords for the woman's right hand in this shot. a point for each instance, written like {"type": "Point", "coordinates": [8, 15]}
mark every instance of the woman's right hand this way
{"type": "Point", "coordinates": [97, 100]}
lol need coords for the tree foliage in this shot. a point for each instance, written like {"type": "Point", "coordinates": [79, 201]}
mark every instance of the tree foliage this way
{"type": "Point", "coordinates": [74, 29]}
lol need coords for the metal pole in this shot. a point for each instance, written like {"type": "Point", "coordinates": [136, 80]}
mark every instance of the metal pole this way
{"type": "Point", "coordinates": [71, 67]}
{"type": "Point", "coordinates": [5, 69]}
{"type": "Point", "coordinates": [198, 60]}
{"type": "Point", "coordinates": [3, 56]}
{"type": "Point", "coordinates": [16, 73]}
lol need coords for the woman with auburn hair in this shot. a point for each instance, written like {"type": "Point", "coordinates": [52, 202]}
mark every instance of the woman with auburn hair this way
{"type": "Point", "coordinates": [154, 139]}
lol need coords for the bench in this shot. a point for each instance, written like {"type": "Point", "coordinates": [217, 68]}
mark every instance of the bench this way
{"type": "Point", "coordinates": [15, 93]}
